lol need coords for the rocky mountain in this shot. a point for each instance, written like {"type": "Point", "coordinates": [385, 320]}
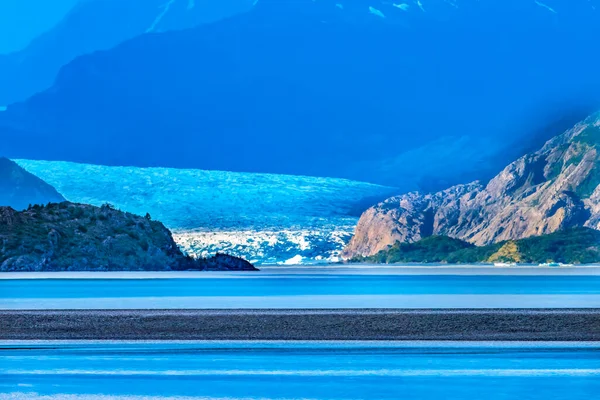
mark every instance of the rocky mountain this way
{"type": "Point", "coordinates": [356, 89]}
{"type": "Point", "coordinates": [76, 237]}
{"type": "Point", "coordinates": [264, 218]}
{"type": "Point", "coordinates": [94, 25]}
{"type": "Point", "coordinates": [19, 188]}
{"type": "Point", "coordinates": [552, 189]}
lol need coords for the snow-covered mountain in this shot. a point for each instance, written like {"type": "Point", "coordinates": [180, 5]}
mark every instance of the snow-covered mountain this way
{"type": "Point", "coordinates": [264, 218]}
{"type": "Point", "coordinates": [363, 89]}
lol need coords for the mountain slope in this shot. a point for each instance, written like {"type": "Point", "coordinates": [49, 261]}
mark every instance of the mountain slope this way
{"type": "Point", "coordinates": [23, 20]}
{"type": "Point", "coordinates": [19, 188]}
{"type": "Point", "coordinates": [76, 237]}
{"type": "Point", "coordinates": [94, 25]}
{"type": "Point", "coordinates": [264, 218]}
{"type": "Point", "coordinates": [309, 88]}
{"type": "Point", "coordinates": [555, 188]}
{"type": "Point", "coordinates": [571, 246]}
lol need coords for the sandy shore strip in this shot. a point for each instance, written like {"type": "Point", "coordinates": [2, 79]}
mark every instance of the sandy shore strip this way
{"type": "Point", "coordinates": [373, 324]}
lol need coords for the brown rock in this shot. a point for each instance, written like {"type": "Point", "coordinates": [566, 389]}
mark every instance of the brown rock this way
{"type": "Point", "coordinates": [540, 193]}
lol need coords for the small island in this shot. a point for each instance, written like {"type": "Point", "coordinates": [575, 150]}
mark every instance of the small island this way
{"type": "Point", "coordinates": [78, 237]}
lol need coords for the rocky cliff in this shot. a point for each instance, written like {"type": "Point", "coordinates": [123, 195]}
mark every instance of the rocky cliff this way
{"type": "Point", "coordinates": [552, 189]}
{"type": "Point", "coordinates": [67, 236]}
{"type": "Point", "coordinates": [19, 188]}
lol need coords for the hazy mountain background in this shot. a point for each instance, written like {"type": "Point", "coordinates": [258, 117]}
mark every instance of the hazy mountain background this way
{"type": "Point", "coordinates": [88, 26]}
{"type": "Point", "coordinates": [21, 21]}
{"type": "Point", "coordinates": [420, 95]}
{"type": "Point", "coordinates": [20, 189]}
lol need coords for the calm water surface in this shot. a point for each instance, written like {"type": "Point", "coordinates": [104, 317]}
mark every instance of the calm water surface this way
{"type": "Point", "coordinates": [305, 288]}
{"type": "Point", "coordinates": [271, 370]}
{"type": "Point", "coordinates": [294, 285]}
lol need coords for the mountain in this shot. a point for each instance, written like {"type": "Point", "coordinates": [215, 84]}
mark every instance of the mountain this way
{"type": "Point", "coordinates": [23, 20]}
{"type": "Point", "coordinates": [552, 189]}
{"type": "Point", "coordinates": [425, 95]}
{"type": "Point", "coordinates": [19, 188]}
{"type": "Point", "coordinates": [77, 237]}
{"type": "Point", "coordinates": [261, 217]}
{"type": "Point", "coordinates": [94, 25]}
{"type": "Point", "coordinates": [571, 246]}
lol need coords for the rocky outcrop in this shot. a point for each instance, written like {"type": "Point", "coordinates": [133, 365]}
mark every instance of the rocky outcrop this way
{"type": "Point", "coordinates": [19, 188]}
{"type": "Point", "coordinates": [552, 189]}
{"type": "Point", "coordinates": [76, 237]}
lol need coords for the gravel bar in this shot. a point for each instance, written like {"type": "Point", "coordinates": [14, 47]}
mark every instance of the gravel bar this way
{"type": "Point", "coordinates": [360, 324]}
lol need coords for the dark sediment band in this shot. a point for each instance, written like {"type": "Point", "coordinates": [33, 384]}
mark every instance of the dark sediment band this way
{"type": "Point", "coordinates": [487, 324]}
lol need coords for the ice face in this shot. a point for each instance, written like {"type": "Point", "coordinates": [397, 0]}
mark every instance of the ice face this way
{"type": "Point", "coordinates": [265, 218]}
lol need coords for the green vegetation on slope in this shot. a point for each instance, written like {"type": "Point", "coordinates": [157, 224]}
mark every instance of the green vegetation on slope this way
{"type": "Point", "coordinates": [577, 246]}
{"type": "Point", "coordinates": [78, 237]}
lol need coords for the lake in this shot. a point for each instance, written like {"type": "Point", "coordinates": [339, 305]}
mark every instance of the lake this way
{"type": "Point", "coordinates": [377, 287]}
{"type": "Point", "coordinates": [294, 370]}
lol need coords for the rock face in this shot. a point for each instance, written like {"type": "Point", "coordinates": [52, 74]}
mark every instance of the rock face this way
{"type": "Point", "coordinates": [552, 189]}
{"type": "Point", "coordinates": [19, 188]}
{"type": "Point", "coordinates": [75, 237]}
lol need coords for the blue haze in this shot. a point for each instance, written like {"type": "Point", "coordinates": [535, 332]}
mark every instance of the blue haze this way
{"type": "Point", "coordinates": [422, 98]}
{"type": "Point", "coordinates": [21, 21]}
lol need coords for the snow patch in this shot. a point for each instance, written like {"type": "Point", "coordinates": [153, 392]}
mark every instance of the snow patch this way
{"type": "Point", "coordinates": [402, 6]}
{"type": "Point", "coordinates": [296, 260]}
{"type": "Point", "coordinates": [375, 11]}
{"type": "Point", "coordinates": [547, 7]}
{"type": "Point", "coordinates": [165, 9]}
{"type": "Point", "coordinates": [420, 5]}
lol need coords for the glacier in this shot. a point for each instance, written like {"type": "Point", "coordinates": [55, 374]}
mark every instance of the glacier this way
{"type": "Point", "coordinates": [265, 218]}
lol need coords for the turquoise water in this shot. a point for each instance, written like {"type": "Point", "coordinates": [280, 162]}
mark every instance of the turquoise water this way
{"type": "Point", "coordinates": [266, 370]}
{"type": "Point", "coordinates": [294, 285]}
{"type": "Point", "coordinates": [305, 290]}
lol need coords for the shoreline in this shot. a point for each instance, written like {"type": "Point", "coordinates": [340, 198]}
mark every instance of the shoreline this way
{"type": "Point", "coordinates": [554, 325]}
{"type": "Point", "coordinates": [276, 271]}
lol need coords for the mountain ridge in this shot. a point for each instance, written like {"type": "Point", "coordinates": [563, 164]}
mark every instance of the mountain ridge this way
{"type": "Point", "coordinates": [356, 98]}
{"type": "Point", "coordinates": [19, 188]}
{"type": "Point", "coordinates": [95, 25]}
{"type": "Point", "coordinates": [555, 188]}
